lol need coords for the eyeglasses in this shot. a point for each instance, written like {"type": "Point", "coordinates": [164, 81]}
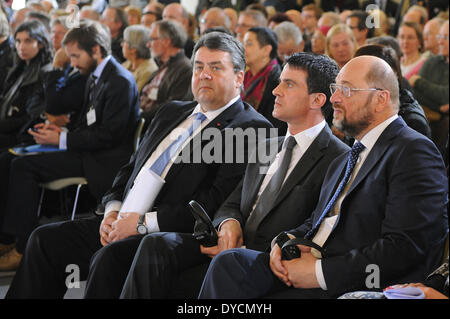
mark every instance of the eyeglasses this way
{"type": "Point", "coordinates": [347, 91]}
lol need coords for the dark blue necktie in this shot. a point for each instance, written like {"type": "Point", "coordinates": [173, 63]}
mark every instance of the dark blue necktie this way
{"type": "Point", "coordinates": [160, 164]}
{"type": "Point", "coordinates": [353, 155]}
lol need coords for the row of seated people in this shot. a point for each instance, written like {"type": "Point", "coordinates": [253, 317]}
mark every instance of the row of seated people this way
{"type": "Point", "coordinates": [87, 68]}
{"type": "Point", "coordinates": [383, 202]}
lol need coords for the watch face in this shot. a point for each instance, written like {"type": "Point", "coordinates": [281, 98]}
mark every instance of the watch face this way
{"type": "Point", "coordinates": [141, 229]}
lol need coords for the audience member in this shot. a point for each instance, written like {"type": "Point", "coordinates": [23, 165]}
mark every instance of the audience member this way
{"type": "Point", "coordinates": [22, 100]}
{"type": "Point", "coordinates": [262, 205]}
{"type": "Point", "coordinates": [398, 222]}
{"type": "Point", "coordinates": [137, 55]}
{"type": "Point", "coordinates": [176, 12]}
{"type": "Point", "coordinates": [40, 16]}
{"type": "Point", "coordinates": [430, 41]}
{"type": "Point", "coordinates": [116, 21]}
{"type": "Point", "coordinates": [233, 17]}
{"type": "Point", "coordinates": [134, 15]}
{"type": "Point", "coordinates": [389, 7]}
{"type": "Point", "coordinates": [276, 19]}
{"type": "Point", "coordinates": [151, 13]}
{"type": "Point", "coordinates": [380, 21]}
{"type": "Point", "coordinates": [217, 78]}
{"type": "Point", "coordinates": [410, 39]}
{"type": "Point", "coordinates": [58, 30]}
{"type": "Point", "coordinates": [416, 14]}
{"type": "Point", "coordinates": [310, 15]}
{"type": "Point", "coordinates": [88, 12]}
{"type": "Point", "coordinates": [249, 19]}
{"type": "Point", "coordinates": [318, 42]}
{"type": "Point", "coordinates": [99, 145]}
{"type": "Point", "coordinates": [263, 73]}
{"type": "Point", "coordinates": [296, 18]}
{"type": "Point", "coordinates": [6, 50]}
{"type": "Point", "coordinates": [357, 21]}
{"type": "Point", "coordinates": [290, 40]}
{"type": "Point", "coordinates": [214, 17]}
{"type": "Point", "coordinates": [410, 110]}
{"type": "Point", "coordinates": [431, 89]}
{"type": "Point", "coordinates": [327, 20]}
{"type": "Point", "coordinates": [172, 81]}
{"type": "Point", "coordinates": [340, 44]}
{"type": "Point", "coordinates": [18, 18]}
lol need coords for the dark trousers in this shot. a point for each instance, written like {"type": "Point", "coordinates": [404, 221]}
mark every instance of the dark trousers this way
{"type": "Point", "coordinates": [20, 191]}
{"type": "Point", "coordinates": [244, 273]}
{"type": "Point", "coordinates": [166, 265]}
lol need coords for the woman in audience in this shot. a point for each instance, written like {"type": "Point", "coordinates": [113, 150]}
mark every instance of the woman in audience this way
{"type": "Point", "coordinates": [263, 72]}
{"type": "Point", "coordinates": [410, 38]}
{"type": "Point", "coordinates": [340, 44]}
{"type": "Point", "coordinates": [137, 55]}
{"type": "Point", "coordinates": [22, 100]}
{"type": "Point", "coordinates": [410, 110]}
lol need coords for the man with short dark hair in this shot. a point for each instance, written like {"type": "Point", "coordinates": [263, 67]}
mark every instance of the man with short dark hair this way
{"type": "Point", "coordinates": [172, 165]}
{"type": "Point", "coordinates": [357, 21]}
{"type": "Point", "coordinates": [116, 21]}
{"type": "Point", "coordinates": [277, 192]}
{"type": "Point", "coordinates": [382, 208]}
{"type": "Point", "coordinates": [100, 143]}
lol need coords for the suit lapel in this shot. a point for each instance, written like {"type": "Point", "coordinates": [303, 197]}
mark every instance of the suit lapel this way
{"type": "Point", "coordinates": [220, 122]}
{"type": "Point", "coordinates": [257, 176]}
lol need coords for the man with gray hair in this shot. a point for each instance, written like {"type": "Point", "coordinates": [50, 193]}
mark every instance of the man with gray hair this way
{"type": "Point", "coordinates": [214, 17]}
{"type": "Point", "coordinates": [172, 80]}
{"type": "Point", "coordinates": [290, 40]}
{"type": "Point", "coordinates": [381, 217]}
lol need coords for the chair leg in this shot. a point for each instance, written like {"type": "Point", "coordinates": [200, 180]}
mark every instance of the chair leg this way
{"type": "Point", "coordinates": [76, 200]}
{"type": "Point", "coordinates": [40, 202]}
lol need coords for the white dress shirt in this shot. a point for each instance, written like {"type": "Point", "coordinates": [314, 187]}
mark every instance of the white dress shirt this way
{"type": "Point", "coordinates": [151, 220]}
{"type": "Point", "coordinates": [327, 224]}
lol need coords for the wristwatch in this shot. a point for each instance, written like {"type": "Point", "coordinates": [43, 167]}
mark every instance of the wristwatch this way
{"type": "Point", "coordinates": [141, 228]}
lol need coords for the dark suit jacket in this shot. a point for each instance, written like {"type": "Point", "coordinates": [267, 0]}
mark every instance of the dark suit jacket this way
{"type": "Point", "coordinates": [298, 196]}
{"type": "Point", "coordinates": [107, 144]}
{"type": "Point", "coordinates": [207, 183]}
{"type": "Point", "coordinates": [393, 216]}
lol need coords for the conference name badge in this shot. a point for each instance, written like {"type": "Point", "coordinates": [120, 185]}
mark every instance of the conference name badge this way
{"type": "Point", "coordinates": [90, 116]}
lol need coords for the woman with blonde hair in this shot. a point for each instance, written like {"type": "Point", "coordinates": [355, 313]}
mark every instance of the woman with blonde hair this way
{"type": "Point", "coordinates": [340, 44]}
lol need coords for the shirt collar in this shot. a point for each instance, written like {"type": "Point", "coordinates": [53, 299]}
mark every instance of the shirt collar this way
{"type": "Point", "coordinates": [210, 115]}
{"type": "Point", "coordinates": [99, 69]}
{"type": "Point", "coordinates": [306, 137]}
{"type": "Point", "coordinates": [372, 136]}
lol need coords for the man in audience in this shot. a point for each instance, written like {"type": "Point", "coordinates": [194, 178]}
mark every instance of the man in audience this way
{"type": "Point", "coordinates": [310, 15]}
{"type": "Point", "coordinates": [116, 21]}
{"type": "Point", "coordinates": [290, 40]}
{"type": "Point", "coordinates": [172, 81]}
{"type": "Point", "coordinates": [381, 217]}
{"type": "Point", "coordinates": [357, 21]}
{"type": "Point", "coordinates": [88, 12]}
{"type": "Point", "coordinates": [214, 17]}
{"type": "Point", "coordinates": [417, 14]}
{"type": "Point", "coordinates": [219, 65]}
{"type": "Point", "coordinates": [262, 205]}
{"type": "Point", "coordinates": [152, 12]}
{"type": "Point", "coordinates": [176, 12]}
{"type": "Point", "coordinates": [100, 144]}
{"type": "Point", "coordinates": [248, 19]}
{"type": "Point", "coordinates": [430, 31]}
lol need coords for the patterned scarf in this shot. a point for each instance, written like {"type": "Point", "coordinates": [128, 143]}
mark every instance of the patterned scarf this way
{"type": "Point", "coordinates": [254, 85]}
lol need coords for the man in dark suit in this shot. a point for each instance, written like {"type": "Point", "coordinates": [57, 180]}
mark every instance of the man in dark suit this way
{"type": "Point", "coordinates": [174, 264]}
{"type": "Point", "coordinates": [381, 217]}
{"type": "Point", "coordinates": [219, 64]}
{"type": "Point", "coordinates": [100, 144]}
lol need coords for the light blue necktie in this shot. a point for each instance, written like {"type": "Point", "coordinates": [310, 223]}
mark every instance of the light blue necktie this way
{"type": "Point", "coordinates": [160, 164]}
{"type": "Point", "coordinates": [353, 155]}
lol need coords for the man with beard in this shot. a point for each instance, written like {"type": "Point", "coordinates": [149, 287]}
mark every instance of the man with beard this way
{"type": "Point", "coordinates": [100, 143]}
{"type": "Point", "coordinates": [381, 217]}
